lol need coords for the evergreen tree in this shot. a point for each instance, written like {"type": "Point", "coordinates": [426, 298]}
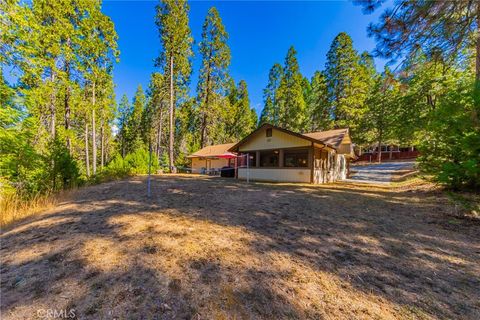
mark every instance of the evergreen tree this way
{"type": "Point", "coordinates": [440, 27]}
{"type": "Point", "coordinates": [290, 94]}
{"type": "Point", "coordinates": [346, 83]}
{"type": "Point", "coordinates": [380, 119]}
{"type": "Point", "coordinates": [176, 40]}
{"type": "Point", "coordinates": [244, 118]}
{"type": "Point", "coordinates": [134, 130]}
{"type": "Point", "coordinates": [447, 33]}
{"type": "Point", "coordinates": [213, 74]}
{"type": "Point", "coordinates": [306, 89]}
{"type": "Point", "coordinates": [108, 110]}
{"type": "Point", "coordinates": [423, 83]}
{"type": "Point", "coordinates": [366, 88]}
{"type": "Point", "coordinates": [56, 45]}
{"type": "Point", "coordinates": [368, 64]}
{"type": "Point", "coordinates": [446, 28]}
{"type": "Point", "coordinates": [271, 109]}
{"type": "Point", "coordinates": [307, 92]}
{"type": "Point", "coordinates": [155, 113]}
{"type": "Point", "coordinates": [124, 111]}
{"type": "Point", "coordinates": [318, 105]}
{"type": "Point", "coordinates": [98, 52]}
{"type": "Point", "coordinates": [187, 139]}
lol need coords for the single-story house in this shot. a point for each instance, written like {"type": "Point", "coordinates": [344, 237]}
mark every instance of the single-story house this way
{"type": "Point", "coordinates": [212, 158]}
{"type": "Point", "coordinates": [277, 154]}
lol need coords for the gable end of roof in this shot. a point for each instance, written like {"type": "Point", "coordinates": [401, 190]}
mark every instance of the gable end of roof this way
{"type": "Point", "coordinates": [267, 125]}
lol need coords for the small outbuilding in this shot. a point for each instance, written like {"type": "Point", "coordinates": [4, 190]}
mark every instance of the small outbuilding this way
{"type": "Point", "coordinates": [212, 158]}
{"type": "Point", "coordinates": [277, 154]}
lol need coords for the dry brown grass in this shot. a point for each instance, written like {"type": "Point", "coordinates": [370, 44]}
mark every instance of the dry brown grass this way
{"type": "Point", "coordinates": [14, 208]}
{"type": "Point", "coordinates": [212, 248]}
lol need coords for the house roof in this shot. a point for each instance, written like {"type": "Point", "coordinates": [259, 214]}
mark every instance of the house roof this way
{"type": "Point", "coordinates": [267, 125]}
{"type": "Point", "coordinates": [212, 151]}
{"type": "Point", "coordinates": [332, 137]}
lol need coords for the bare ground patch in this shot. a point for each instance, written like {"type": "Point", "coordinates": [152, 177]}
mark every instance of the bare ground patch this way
{"type": "Point", "coordinates": [206, 248]}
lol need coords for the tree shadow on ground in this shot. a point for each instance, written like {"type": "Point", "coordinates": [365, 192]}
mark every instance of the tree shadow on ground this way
{"type": "Point", "coordinates": [112, 252]}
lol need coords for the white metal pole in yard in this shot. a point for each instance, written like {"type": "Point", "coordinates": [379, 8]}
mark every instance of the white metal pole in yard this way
{"type": "Point", "coordinates": [149, 193]}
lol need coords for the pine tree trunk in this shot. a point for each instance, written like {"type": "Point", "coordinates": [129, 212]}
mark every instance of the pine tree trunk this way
{"type": "Point", "coordinates": [172, 117]}
{"type": "Point", "coordinates": [94, 136]}
{"type": "Point", "coordinates": [67, 104]}
{"type": "Point", "coordinates": [203, 137]}
{"type": "Point", "coordinates": [275, 109]}
{"type": "Point", "coordinates": [52, 108]}
{"type": "Point", "coordinates": [157, 142]}
{"type": "Point", "coordinates": [52, 127]}
{"type": "Point", "coordinates": [87, 159]}
{"type": "Point", "coordinates": [379, 159]}
{"type": "Point", "coordinates": [477, 64]}
{"type": "Point", "coordinates": [159, 134]}
{"type": "Point", "coordinates": [476, 108]}
{"type": "Point", "coordinates": [107, 153]}
{"type": "Point", "coordinates": [102, 145]}
{"type": "Point", "coordinates": [204, 131]}
{"type": "Point", "coordinates": [67, 110]}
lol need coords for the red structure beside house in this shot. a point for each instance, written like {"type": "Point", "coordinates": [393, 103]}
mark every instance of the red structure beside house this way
{"type": "Point", "coordinates": [389, 153]}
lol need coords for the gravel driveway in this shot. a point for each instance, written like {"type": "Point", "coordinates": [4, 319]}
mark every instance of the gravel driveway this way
{"type": "Point", "coordinates": [379, 172]}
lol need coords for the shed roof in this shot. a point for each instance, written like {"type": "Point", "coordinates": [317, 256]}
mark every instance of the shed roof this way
{"type": "Point", "coordinates": [212, 151]}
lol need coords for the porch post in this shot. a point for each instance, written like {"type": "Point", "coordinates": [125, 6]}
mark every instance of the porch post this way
{"type": "Point", "coordinates": [311, 159]}
{"type": "Point", "coordinates": [236, 168]}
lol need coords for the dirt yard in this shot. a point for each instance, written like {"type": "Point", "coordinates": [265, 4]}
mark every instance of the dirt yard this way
{"type": "Point", "coordinates": [212, 248]}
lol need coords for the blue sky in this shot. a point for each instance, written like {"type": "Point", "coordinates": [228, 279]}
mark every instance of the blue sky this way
{"type": "Point", "coordinates": [260, 35]}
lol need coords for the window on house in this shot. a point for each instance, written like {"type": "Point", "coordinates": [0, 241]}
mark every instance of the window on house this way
{"type": "Point", "coordinates": [269, 158]}
{"type": "Point", "coordinates": [252, 159]}
{"type": "Point", "coordinates": [269, 132]}
{"type": "Point", "coordinates": [296, 158]}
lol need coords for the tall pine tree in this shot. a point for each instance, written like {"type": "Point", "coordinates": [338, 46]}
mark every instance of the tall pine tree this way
{"type": "Point", "coordinates": [380, 119]}
{"type": "Point", "coordinates": [134, 130]}
{"type": "Point", "coordinates": [213, 75]}
{"type": "Point", "coordinates": [346, 83]}
{"type": "Point", "coordinates": [155, 115]}
{"type": "Point", "coordinates": [318, 106]}
{"type": "Point", "coordinates": [176, 39]}
{"type": "Point", "coordinates": [271, 108]}
{"type": "Point", "coordinates": [124, 111]}
{"type": "Point", "coordinates": [243, 118]}
{"type": "Point", "coordinates": [290, 94]}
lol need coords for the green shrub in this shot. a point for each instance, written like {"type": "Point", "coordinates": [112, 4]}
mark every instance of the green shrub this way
{"type": "Point", "coordinates": [133, 163]}
{"type": "Point", "coordinates": [451, 152]}
{"type": "Point", "coordinates": [138, 160]}
{"type": "Point", "coordinates": [64, 171]}
{"type": "Point", "coordinates": [116, 168]}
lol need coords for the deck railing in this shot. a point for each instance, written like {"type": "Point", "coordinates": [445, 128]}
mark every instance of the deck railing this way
{"type": "Point", "coordinates": [399, 155]}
